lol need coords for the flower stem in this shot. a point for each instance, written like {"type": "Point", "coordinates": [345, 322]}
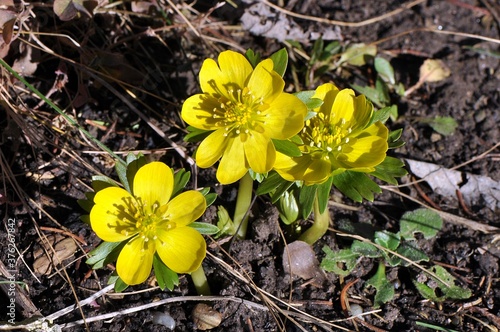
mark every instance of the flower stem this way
{"type": "Point", "coordinates": [319, 227]}
{"type": "Point", "coordinates": [200, 281]}
{"type": "Point", "coordinates": [243, 202]}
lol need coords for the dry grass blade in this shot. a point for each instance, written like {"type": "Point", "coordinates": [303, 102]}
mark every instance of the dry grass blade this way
{"type": "Point", "coordinates": [342, 23]}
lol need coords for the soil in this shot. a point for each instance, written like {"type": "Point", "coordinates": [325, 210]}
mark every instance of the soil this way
{"type": "Point", "coordinates": [47, 165]}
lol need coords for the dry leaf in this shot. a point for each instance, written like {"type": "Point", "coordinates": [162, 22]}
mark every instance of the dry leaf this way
{"type": "Point", "coordinates": [433, 71]}
{"type": "Point", "coordinates": [69, 9]}
{"type": "Point", "coordinates": [475, 189]}
{"type": "Point", "coordinates": [23, 65]}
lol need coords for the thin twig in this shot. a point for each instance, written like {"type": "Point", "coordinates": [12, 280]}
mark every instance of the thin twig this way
{"type": "Point", "coordinates": [343, 23]}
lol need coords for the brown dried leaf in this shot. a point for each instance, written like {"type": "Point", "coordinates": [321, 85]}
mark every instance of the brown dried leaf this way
{"type": "Point", "coordinates": [24, 65]}
{"type": "Point", "coordinates": [433, 71]}
{"type": "Point", "coordinates": [69, 9]}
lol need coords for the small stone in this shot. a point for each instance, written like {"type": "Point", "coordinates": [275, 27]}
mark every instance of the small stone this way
{"type": "Point", "coordinates": [205, 317]}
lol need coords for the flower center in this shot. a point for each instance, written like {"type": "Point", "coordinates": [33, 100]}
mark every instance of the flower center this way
{"type": "Point", "coordinates": [320, 135]}
{"type": "Point", "coordinates": [141, 219]}
{"type": "Point", "coordinates": [240, 113]}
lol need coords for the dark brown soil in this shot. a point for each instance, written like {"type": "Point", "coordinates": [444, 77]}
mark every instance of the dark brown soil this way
{"type": "Point", "coordinates": [53, 164]}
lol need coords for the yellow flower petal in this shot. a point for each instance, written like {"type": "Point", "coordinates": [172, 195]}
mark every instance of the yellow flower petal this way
{"type": "Point", "coordinates": [318, 171]}
{"type": "Point", "coordinates": [197, 111]}
{"type": "Point", "coordinates": [111, 217]}
{"type": "Point", "coordinates": [153, 184]}
{"type": "Point", "coordinates": [186, 208]}
{"type": "Point", "coordinates": [232, 72]}
{"type": "Point", "coordinates": [260, 152]}
{"type": "Point", "coordinates": [135, 261]}
{"type": "Point", "coordinates": [343, 107]}
{"type": "Point", "coordinates": [211, 148]}
{"type": "Point", "coordinates": [369, 148]}
{"type": "Point", "coordinates": [285, 116]}
{"type": "Point", "coordinates": [363, 111]}
{"type": "Point", "coordinates": [326, 92]}
{"type": "Point", "coordinates": [289, 168]}
{"type": "Point", "coordinates": [265, 83]}
{"type": "Point", "coordinates": [232, 165]}
{"type": "Point", "coordinates": [234, 67]}
{"type": "Point", "coordinates": [182, 249]}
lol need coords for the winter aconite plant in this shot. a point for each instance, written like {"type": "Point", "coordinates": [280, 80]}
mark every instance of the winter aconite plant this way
{"type": "Point", "coordinates": [144, 224]}
{"type": "Point", "coordinates": [342, 135]}
{"type": "Point", "coordinates": [149, 221]}
{"type": "Point", "coordinates": [245, 109]}
{"type": "Point", "coordinates": [244, 114]}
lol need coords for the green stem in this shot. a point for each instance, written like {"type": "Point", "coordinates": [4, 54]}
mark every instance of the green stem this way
{"type": "Point", "coordinates": [243, 202]}
{"type": "Point", "coordinates": [320, 225]}
{"type": "Point", "coordinates": [200, 281]}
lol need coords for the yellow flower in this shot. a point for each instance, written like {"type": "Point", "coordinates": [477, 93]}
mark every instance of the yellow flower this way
{"type": "Point", "coordinates": [338, 138]}
{"type": "Point", "coordinates": [245, 108]}
{"type": "Point", "coordinates": [150, 222]}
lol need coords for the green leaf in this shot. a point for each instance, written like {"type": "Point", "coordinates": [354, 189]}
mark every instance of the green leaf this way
{"type": "Point", "coordinates": [317, 50]}
{"type": "Point", "coordinates": [324, 194]}
{"type": "Point", "coordinates": [382, 114]}
{"type": "Point", "coordinates": [253, 58]}
{"type": "Point", "coordinates": [165, 277]}
{"type": "Point", "coordinates": [371, 93]}
{"type": "Point", "coordinates": [210, 198]}
{"type": "Point", "coordinates": [432, 289]}
{"type": "Point", "coordinates": [384, 289]}
{"type": "Point", "coordinates": [196, 134]}
{"type": "Point", "coordinates": [280, 60]}
{"type": "Point", "coordinates": [306, 199]}
{"type": "Point", "coordinates": [394, 139]}
{"type": "Point", "coordinates": [280, 190]}
{"type": "Point", "coordinates": [104, 253]}
{"type": "Point", "coordinates": [310, 102]}
{"type": "Point", "coordinates": [334, 260]}
{"type": "Point", "coordinates": [358, 54]}
{"type": "Point", "coordinates": [120, 285]}
{"type": "Point", "coordinates": [389, 169]}
{"type": "Point", "coordinates": [387, 239]}
{"type": "Point", "coordinates": [445, 125]}
{"type": "Point", "coordinates": [424, 221]}
{"type": "Point", "coordinates": [356, 185]}
{"type": "Point", "coordinates": [365, 249]}
{"type": "Point", "coordinates": [270, 184]}
{"type": "Point", "coordinates": [331, 49]}
{"type": "Point", "coordinates": [86, 204]}
{"type": "Point", "coordinates": [133, 164]}
{"type": "Point", "coordinates": [181, 178]}
{"type": "Point", "coordinates": [287, 147]}
{"type": "Point", "coordinates": [99, 182]}
{"type": "Point", "coordinates": [385, 70]}
{"type": "Point", "coordinates": [204, 228]}
{"type": "Point", "coordinates": [121, 171]}
{"type": "Point", "coordinates": [383, 91]}
{"type": "Point", "coordinates": [408, 250]}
